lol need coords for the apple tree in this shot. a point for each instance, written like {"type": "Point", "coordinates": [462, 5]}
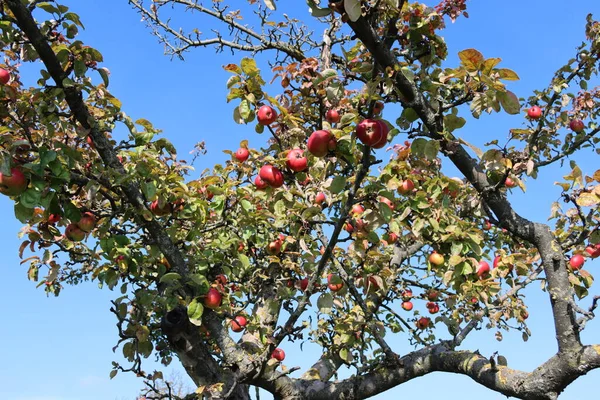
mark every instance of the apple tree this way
{"type": "Point", "coordinates": [343, 230]}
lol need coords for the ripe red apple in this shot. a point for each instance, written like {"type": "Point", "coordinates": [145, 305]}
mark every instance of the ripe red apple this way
{"type": "Point", "coordinates": [387, 201]}
{"type": "Point", "coordinates": [242, 154]}
{"type": "Point", "coordinates": [484, 269]}
{"type": "Point", "coordinates": [221, 279]}
{"type": "Point", "coordinates": [407, 305]}
{"type": "Point", "coordinates": [87, 223]}
{"type": "Point", "coordinates": [433, 307]}
{"type": "Point", "coordinates": [357, 209]}
{"type": "Point", "coordinates": [320, 198]}
{"type": "Point", "coordinates": [278, 354]}
{"type": "Point", "coordinates": [13, 185]}
{"type": "Point", "coordinates": [259, 183]}
{"type": "Point", "coordinates": [423, 322]}
{"type": "Point", "coordinates": [510, 183]}
{"type": "Point", "coordinates": [534, 112]}
{"type": "Point", "coordinates": [407, 186]}
{"type": "Point", "coordinates": [160, 211]}
{"type": "Point", "coordinates": [487, 225]}
{"type": "Point", "coordinates": [576, 125]}
{"type": "Point", "coordinates": [392, 237]}
{"type": "Point", "coordinates": [577, 261]}
{"type": "Point", "coordinates": [238, 323]}
{"type": "Point", "coordinates": [274, 247]}
{"type": "Point", "coordinates": [271, 175]}
{"type": "Point", "coordinates": [296, 160]}
{"type": "Point", "coordinates": [436, 258]}
{"type": "Point", "coordinates": [378, 108]}
{"type": "Point", "coordinates": [593, 250]}
{"type": "Point", "coordinates": [303, 284]}
{"type": "Point", "coordinates": [348, 227]}
{"type": "Point", "coordinates": [333, 116]}
{"type": "Point", "coordinates": [53, 218]}
{"type": "Point", "coordinates": [74, 233]}
{"type": "Point", "coordinates": [433, 295]}
{"type": "Point", "coordinates": [318, 143]}
{"type": "Point", "coordinates": [332, 144]}
{"type": "Point", "coordinates": [4, 76]}
{"type": "Point", "coordinates": [334, 283]}
{"type": "Point", "coordinates": [497, 259]}
{"type": "Point", "coordinates": [213, 298]}
{"type": "Point", "coordinates": [266, 115]}
{"type": "Point", "coordinates": [372, 132]}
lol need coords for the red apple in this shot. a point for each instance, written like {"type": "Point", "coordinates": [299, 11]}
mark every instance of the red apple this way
{"type": "Point", "coordinates": [378, 108]}
{"type": "Point", "coordinates": [332, 144]}
{"type": "Point", "coordinates": [4, 76]}
{"type": "Point", "coordinates": [487, 225]}
{"type": "Point", "coordinates": [357, 209]}
{"type": "Point", "coordinates": [576, 125]}
{"type": "Point", "coordinates": [406, 186]}
{"type": "Point", "coordinates": [296, 160]}
{"type": "Point", "coordinates": [318, 143]}
{"type": "Point", "coordinates": [303, 284]}
{"type": "Point", "coordinates": [320, 198]}
{"type": "Point", "coordinates": [13, 185]}
{"type": "Point", "coordinates": [423, 322]}
{"type": "Point", "coordinates": [534, 112]}
{"type": "Point", "coordinates": [333, 116]}
{"type": "Point", "coordinates": [213, 298]}
{"type": "Point", "coordinates": [266, 115]}
{"type": "Point", "coordinates": [274, 247]}
{"type": "Point", "coordinates": [407, 294]}
{"type": "Point", "coordinates": [387, 201]}
{"type": "Point", "coordinates": [87, 223]}
{"type": "Point", "coordinates": [90, 142]}
{"type": "Point", "coordinates": [510, 183]}
{"type": "Point", "coordinates": [433, 307]}
{"type": "Point", "coordinates": [242, 154]}
{"type": "Point", "coordinates": [74, 233]}
{"type": "Point", "coordinates": [238, 323]}
{"type": "Point", "coordinates": [371, 132]}
{"type": "Point", "coordinates": [433, 295]}
{"type": "Point", "coordinates": [160, 211]}
{"type": "Point", "coordinates": [436, 258]}
{"type": "Point", "coordinates": [484, 269]}
{"type": "Point", "coordinates": [392, 238]}
{"type": "Point", "coordinates": [348, 227]}
{"type": "Point", "coordinates": [497, 260]}
{"type": "Point", "coordinates": [384, 137]}
{"type": "Point", "coordinates": [259, 183]}
{"type": "Point", "coordinates": [407, 305]}
{"type": "Point", "coordinates": [278, 354]}
{"type": "Point", "coordinates": [53, 218]}
{"type": "Point", "coordinates": [334, 283]}
{"type": "Point", "coordinates": [221, 279]}
{"type": "Point", "coordinates": [271, 175]}
{"type": "Point", "coordinates": [593, 250]}
{"type": "Point", "coordinates": [577, 261]}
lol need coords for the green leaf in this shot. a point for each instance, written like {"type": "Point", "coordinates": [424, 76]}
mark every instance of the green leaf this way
{"type": "Point", "coordinates": [249, 66]}
{"type": "Point", "coordinates": [72, 212]}
{"type": "Point", "coordinates": [104, 73]}
{"type": "Point", "coordinates": [325, 75]}
{"type": "Point", "coordinates": [30, 198]}
{"type": "Point", "coordinates": [337, 185]}
{"type": "Point", "coordinates": [194, 311]}
{"type": "Point", "coordinates": [170, 277]}
{"type": "Point", "coordinates": [317, 11]}
{"type": "Point", "coordinates": [510, 102]}
{"type": "Point", "coordinates": [353, 9]}
{"type": "Point", "coordinates": [452, 122]}
{"type": "Point", "coordinates": [431, 149]}
{"type": "Point", "coordinates": [48, 7]}
{"type": "Point", "coordinates": [23, 213]}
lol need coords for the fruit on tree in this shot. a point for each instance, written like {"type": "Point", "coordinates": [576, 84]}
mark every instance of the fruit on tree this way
{"type": "Point", "coordinates": [357, 209]}
{"type": "Point", "coordinates": [534, 112]}
{"type": "Point", "coordinates": [238, 323]}
{"type": "Point", "coordinates": [510, 183]}
{"type": "Point", "coordinates": [296, 161]}
{"type": "Point", "coordinates": [74, 233]}
{"type": "Point", "coordinates": [432, 307]}
{"type": "Point", "coordinates": [259, 183]}
{"type": "Point", "coordinates": [318, 143]}
{"type": "Point", "coordinates": [333, 116]}
{"type": "Point", "coordinates": [241, 154]}
{"type": "Point", "coordinates": [303, 284]}
{"type": "Point", "coordinates": [483, 269]}
{"type": "Point", "coordinates": [423, 322]}
{"type": "Point", "coordinates": [577, 261]}
{"type": "Point", "coordinates": [487, 225]}
{"type": "Point", "coordinates": [4, 76]}
{"type": "Point", "coordinates": [334, 283]}
{"type": "Point", "coordinates": [576, 125]}
{"type": "Point", "coordinates": [54, 218]}
{"type": "Point", "coordinates": [406, 186]}
{"type": "Point", "coordinates": [271, 175]}
{"type": "Point", "coordinates": [497, 259]}
{"type": "Point", "coordinates": [372, 133]}
{"type": "Point", "coordinates": [407, 305]}
{"type": "Point", "coordinates": [87, 223]}
{"type": "Point", "coordinates": [387, 201]}
{"type": "Point", "coordinates": [266, 115]}
{"type": "Point", "coordinates": [274, 247]}
{"type": "Point", "coordinates": [13, 185]}
{"type": "Point", "coordinates": [278, 354]}
{"type": "Point", "coordinates": [407, 294]}
{"type": "Point", "coordinates": [392, 238]}
{"type": "Point", "coordinates": [433, 295]}
{"type": "Point", "coordinates": [436, 258]}
{"type": "Point", "coordinates": [378, 107]}
{"type": "Point", "coordinates": [593, 250]}
{"type": "Point", "coordinates": [320, 198]}
{"type": "Point", "coordinates": [213, 298]}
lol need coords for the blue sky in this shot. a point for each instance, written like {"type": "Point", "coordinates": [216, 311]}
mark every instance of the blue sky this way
{"type": "Point", "coordinates": [60, 348]}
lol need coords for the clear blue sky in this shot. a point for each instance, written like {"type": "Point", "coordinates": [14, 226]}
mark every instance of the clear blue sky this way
{"type": "Point", "coordinates": [60, 348]}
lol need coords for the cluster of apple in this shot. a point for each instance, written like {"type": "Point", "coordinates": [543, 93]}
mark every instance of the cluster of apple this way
{"type": "Point", "coordinates": [76, 231]}
{"type": "Point", "coordinates": [577, 260]}
{"type": "Point", "coordinates": [576, 125]}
